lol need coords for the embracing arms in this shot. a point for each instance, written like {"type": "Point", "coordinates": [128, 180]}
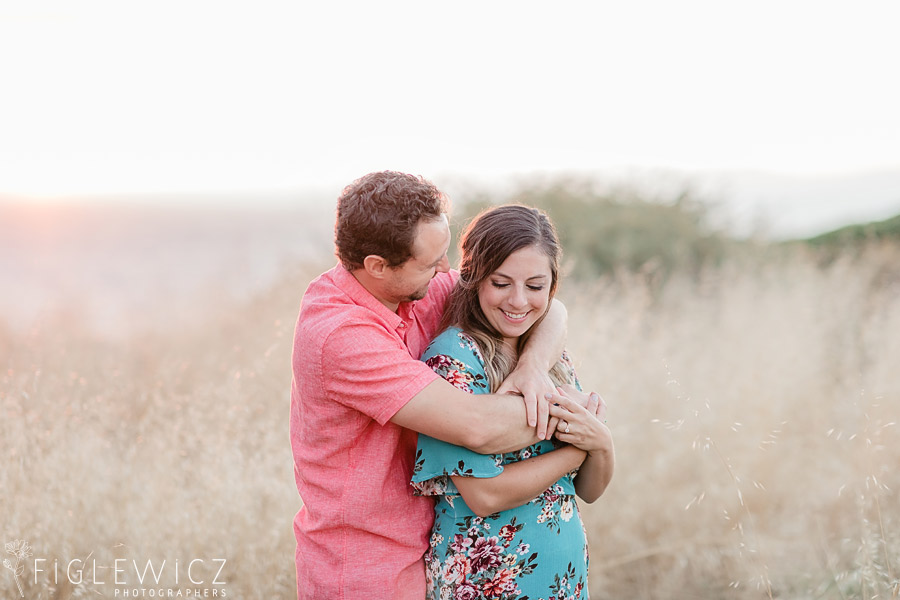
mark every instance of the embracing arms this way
{"type": "Point", "coordinates": [487, 424]}
{"type": "Point", "coordinates": [500, 422]}
{"type": "Point", "coordinates": [589, 445]}
{"type": "Point", "coordinates": [519, 482]}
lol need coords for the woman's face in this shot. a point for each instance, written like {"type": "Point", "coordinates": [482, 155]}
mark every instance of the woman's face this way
{"type": "Point", "coordinates": [517, 294]}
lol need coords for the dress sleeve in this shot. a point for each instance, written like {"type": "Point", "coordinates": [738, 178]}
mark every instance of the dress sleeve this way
{"type": "Point", "coordinates": [437, 461]}
{"type": "Point", "coordinates": [453, 356]}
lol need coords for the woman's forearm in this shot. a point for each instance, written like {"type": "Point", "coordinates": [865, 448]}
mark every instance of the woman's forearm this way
{"type": "Point", "coordinates": [595, 474]}
{"type": "Point", "coordinates": [519, 482]}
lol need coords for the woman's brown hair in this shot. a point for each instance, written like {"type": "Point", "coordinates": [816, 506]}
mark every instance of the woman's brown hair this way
{"type": "Point", "coordinates": [487, 242]}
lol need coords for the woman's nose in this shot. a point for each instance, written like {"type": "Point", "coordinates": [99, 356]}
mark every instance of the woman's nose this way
{"type": "Point", "coordinates": [517, 297]}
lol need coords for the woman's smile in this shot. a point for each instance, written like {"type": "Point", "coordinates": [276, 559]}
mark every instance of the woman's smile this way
{"type": "Point", "coordinates": [514, 316]}
{"type": "Point", "coordinates": [517, 294]}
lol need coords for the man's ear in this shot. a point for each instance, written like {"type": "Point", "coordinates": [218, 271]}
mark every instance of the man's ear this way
{"type": "Point", "coordinates": [375, 266]}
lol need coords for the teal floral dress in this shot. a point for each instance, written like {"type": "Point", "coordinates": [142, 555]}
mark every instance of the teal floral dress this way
{"type": "Point", "coordinates": [536, 551]}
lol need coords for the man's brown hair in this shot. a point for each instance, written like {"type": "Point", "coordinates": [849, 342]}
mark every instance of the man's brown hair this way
{"type": "Point", "coordinates": [379, 214]}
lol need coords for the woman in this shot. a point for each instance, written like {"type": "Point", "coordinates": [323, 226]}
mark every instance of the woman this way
{"type": "Point", "coordinates": [507, 526]}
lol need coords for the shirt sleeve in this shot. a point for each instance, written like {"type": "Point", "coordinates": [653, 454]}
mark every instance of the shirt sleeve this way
{"type": "Point", "coordinates": [367, 369]}
{"type": "Point", "coordinates": [439, 289]}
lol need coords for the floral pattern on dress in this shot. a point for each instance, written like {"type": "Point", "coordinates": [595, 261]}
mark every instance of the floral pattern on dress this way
{"type": "Point", "coordinates": [442, 485]}
{"type": "Point", "coordinates": [486, 560]}
{"type": "Point", "coordinates": [481, 563]}
{"type": "Point", "coordinates": [536, 550]}
{"type": "Point", "coordinates": [466, 342]}
{"type": "Point", "coordinates": [456, 373]}
{"type": "Point", "coordinates": [566, 586]}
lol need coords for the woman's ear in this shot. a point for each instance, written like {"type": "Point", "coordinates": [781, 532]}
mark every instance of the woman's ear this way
{"type": "Point", "coordinates": [375, 266]}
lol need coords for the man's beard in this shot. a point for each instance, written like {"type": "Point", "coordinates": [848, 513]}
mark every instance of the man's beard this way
{"type": "Point", "coordinates": [417, 295]}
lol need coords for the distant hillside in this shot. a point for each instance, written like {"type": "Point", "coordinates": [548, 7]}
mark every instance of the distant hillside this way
{"type": "Point", "coordinates": [888, 229]}
{"type": "Point", "coordinates": [620, 228]}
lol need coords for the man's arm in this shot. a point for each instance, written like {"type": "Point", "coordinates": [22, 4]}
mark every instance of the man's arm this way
{"type": "Point", "coordinates": [488, 424]}
{"type": "Point", "coordinates": [530, 378]}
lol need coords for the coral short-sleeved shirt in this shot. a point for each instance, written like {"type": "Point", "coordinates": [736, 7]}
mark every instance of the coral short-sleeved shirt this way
{"type": "Point", "coordinates": [361, 533]}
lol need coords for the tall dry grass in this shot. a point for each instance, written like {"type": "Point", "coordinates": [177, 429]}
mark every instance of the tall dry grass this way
{"type": "Point", "coordinates": [160, 445]}
{"type": "Point", "coordinates": [755, 417]}
{"type": "Point", "coordinates": [753, 411]}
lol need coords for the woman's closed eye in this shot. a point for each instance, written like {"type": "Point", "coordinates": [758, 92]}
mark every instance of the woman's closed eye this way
{"type": "Point", "coordinates": [500, 285]}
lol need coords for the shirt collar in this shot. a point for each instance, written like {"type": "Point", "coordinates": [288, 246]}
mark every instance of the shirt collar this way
{"type": "Point", "coordinates": [363, 297]}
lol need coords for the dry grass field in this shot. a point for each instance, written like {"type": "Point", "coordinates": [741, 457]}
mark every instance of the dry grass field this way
{"type": "Point", "coordinates": [755, 420]}
{"type": "Point", "coordinates": [754, 410]}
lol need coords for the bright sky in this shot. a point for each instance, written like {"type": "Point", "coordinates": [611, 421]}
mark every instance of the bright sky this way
{"type": "Point", "coordinates": [103, 96]}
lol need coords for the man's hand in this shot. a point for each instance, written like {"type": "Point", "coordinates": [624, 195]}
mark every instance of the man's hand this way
{"type": "Point", "coordinates": [532, 382]}
{"type": "Point", "coordinates": [591, 401]}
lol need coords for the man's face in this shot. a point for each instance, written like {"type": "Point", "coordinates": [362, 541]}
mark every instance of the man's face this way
{"type": "Point", "coordinates": [410, 280]}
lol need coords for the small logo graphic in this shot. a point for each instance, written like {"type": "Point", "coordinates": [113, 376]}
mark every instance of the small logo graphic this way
{"type": "Point", "coordinates": [21, 550]}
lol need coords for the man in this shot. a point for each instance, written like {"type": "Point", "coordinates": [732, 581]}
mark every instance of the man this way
{"type": "Point", "coordinates": [360, 394]}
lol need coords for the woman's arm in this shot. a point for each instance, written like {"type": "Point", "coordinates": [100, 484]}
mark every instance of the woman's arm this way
{"type": "Point", "coordinates": [587, 431]}
{"type": "Point", "coordinates": [595, 474]}
{"type": "Point", "coordinates": [519, 482]}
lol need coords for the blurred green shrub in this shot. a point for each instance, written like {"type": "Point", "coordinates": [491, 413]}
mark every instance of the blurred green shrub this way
{"type": "Point", "coordinates": [602, 232]}
{"type": "Point", "coordinates": [857, 242]}
{"type": "Point", "coordinates": [851, 235]}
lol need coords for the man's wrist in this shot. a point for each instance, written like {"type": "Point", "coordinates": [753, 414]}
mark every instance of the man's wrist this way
{"type": "Point", "coordinates": [528, 360]}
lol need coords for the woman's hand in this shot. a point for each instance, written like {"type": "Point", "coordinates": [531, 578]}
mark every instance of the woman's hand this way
{"type": "Point", "coordinates": [581, 426]}
{"type": "Point", "coordinates": [585, 429]}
